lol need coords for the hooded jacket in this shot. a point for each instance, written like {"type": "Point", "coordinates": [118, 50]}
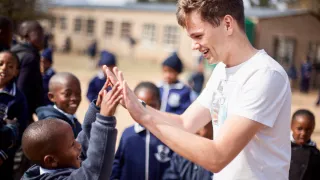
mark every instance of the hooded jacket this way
{"type": "Point", "coordinates": [29, 80]}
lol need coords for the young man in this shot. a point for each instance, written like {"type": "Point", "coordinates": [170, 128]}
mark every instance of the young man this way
{"type": "Point", "coordinates": [248, 99]}
{"type": "Point", "coordinates": [30, 80]}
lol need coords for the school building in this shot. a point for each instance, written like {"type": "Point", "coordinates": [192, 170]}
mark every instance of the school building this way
{"type": "Point", "coordinates": [288, 35]}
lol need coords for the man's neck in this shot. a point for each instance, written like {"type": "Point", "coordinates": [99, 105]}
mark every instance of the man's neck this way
{"type": "Point", "coordinates": [241, 50]}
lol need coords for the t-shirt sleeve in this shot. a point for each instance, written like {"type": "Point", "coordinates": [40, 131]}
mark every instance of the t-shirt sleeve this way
{"type": "Point", "coordinates": [262, 96]}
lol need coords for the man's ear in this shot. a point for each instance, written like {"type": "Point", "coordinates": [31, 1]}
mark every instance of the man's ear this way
{"type": "Point", "coordinates": [51, 97]}
{"type": "Point", "coordinates": [50, 161]}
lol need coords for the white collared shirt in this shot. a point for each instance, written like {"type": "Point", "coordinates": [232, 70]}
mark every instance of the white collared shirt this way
{"type": "Point", "coordinates": [70, 116]}
{"type": "Point", "coordinates": [48, 171]}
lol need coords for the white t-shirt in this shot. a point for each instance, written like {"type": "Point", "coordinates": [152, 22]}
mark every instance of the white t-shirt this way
{"type": "Point", "coordinates": [257, 89]}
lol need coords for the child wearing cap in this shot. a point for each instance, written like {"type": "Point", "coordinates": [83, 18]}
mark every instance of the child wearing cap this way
{"type": "Point", "coordinates": [98, 81]}
{"type": "Point", "coordinates": [47, 72]}
{"type": "Point", "coordinates": [175, 95]}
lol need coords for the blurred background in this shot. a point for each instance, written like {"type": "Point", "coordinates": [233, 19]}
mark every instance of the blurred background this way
{"type": "Point", "coordinates": [143, 33]}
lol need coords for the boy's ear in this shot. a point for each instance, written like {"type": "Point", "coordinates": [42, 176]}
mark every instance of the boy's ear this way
{"type": "Point", "coordinates": [51, 97]}
{"type": "Point", "coordinates": [50, 161]}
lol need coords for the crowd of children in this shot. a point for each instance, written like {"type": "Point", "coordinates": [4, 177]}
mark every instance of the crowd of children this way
{"type": "Point", "coordinates": [57, 146]}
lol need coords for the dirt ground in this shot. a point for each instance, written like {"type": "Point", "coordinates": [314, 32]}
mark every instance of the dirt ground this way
{"type": "Point", "coordinates": [137, 71]}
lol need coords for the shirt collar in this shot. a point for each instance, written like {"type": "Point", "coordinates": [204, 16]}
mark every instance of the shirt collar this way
{"type": "Point", "coordinates": [70, 116]}
{"type": "Point", "coordinates": [100, 75]}
{"type": "Point", "coordinates": [10, 89]}
{"type": "Point", "coordinates": [48, 171]}
{"type": "Point", "coordinates": [138, 128]}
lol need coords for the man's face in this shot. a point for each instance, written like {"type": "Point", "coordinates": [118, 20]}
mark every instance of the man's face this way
{"type": "Point", "coordinates": [209, 40]}
{"type": "Point", "coordinates": [36, 38]}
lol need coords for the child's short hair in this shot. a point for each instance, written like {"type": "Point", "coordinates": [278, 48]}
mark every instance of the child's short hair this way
{"type": "Point", "coordinates": [61, 77]}
{"type": "Point", "coordinates": [303, 112]}
{"type": "Point", "coordinates": [15, 57]}
{"type": "Point", "coordinates": [39, 139]}
{"type": "Point", "coordinates": [28, 26]}
{"type": "Point", "coordinates": [150, 86]}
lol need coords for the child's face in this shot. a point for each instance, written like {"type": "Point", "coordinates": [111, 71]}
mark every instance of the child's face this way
{"type": "Point", "coordinates": [149, 98]}
{"type": "Point", "coordinates": [68, 150]}
{"type": "Point", "coordinates": [67, 95]}
{"type": "Point", "coordinates": [302, 129]}
{"type": "Point", "coordinates": [8, 68]}
{"type": "Point", "coordinates": [44, 65]}
{"type": "Point", "coordinates": [170, 75]}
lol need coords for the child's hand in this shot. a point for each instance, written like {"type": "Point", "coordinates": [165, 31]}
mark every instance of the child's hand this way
{"type": "Point", "coordinates": [100, 95]}
{"type": "Point", "coordinates": [111, 100]}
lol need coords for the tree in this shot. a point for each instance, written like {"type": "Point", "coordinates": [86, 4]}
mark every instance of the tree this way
{"type": "Point", "coordinates": [21, 10]}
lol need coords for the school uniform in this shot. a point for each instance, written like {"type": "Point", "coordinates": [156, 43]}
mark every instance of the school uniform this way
{"type": "Point", "coordinates": [183, 169]}
{"type": "Point", "coordinates": [305, 161]}
{"type": "Point", "coordinates": [97, 140]}
{"type": "Point", "coordinates": [13, 104]}
{"type": "Point", "coordinates": [46, 112]}
{"type": "Point", "coordinates": [99, 80]}
{"type": "Point", "coordinates": [95, 86]}
{"type": "Point", "coordinates": [140, 156]}
{"type": "Point", "coordinates": [175, 98]}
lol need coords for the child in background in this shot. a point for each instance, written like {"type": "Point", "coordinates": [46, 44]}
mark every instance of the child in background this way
{"type": "Point", "coordinates": [140, 154]}
{"type": "Point", "coordinates": [305, 157]}
{"type": "Point", "coordinates": [51, 144]}
{"type": "Point", "coordinates": [183, 169]}
{"type": "Point", "coordinates": [47, 72]}
{"type": "Point", "coordinates": [196, 80]}
{"type": "Point", "coordinates": [175, 95]}
{"type": "Point", "coordinates": [13, 108]}
{"type": "Point", "coordinates": [98, 81]}
{"type": "Point", "coordinates": [65, 93]}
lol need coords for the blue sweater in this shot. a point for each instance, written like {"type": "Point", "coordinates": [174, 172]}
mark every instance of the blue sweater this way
{"type": "Point", "coordinates": [95, 86]}
{"type": "Point", "coordinates": [175, 98]}
{"type": "Point", "coordinates": [183, 169]}
{"type": "Point", "coordinates": [13, 105]}
{"type": "Point", "coordinates": [45, 81]}
{"type": "Point", "coordinates": [140, 156]}
{"type": "Point", "coordinates": [46, 112]}
{"type": "Point", "coordinates": [98, 139]}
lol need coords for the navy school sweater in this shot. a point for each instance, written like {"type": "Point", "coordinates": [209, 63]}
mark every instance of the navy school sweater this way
{"type": "Point", "coordinates": [98, 139]}
{"type": "Point", "coordinates": [95, 86]}
{"type": "Point", "coordinates": [45, 81]}
{"type": "Point", "coordinates": [140, 156]}
{"type": "Point", "coordinates": [46, 112]}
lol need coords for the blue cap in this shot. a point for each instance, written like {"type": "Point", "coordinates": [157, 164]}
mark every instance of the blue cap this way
{"type": "Point", "coordinates": [47, 54]}
{"type": "Point", "coordinates": [107, 58]}
{"type": "Point", "coordinates": [174, 62]}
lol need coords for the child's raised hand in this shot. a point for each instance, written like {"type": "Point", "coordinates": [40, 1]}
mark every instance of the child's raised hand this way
{"type": "Point", "coordinates": [111, 100]}
{"type": "Point", "coordinates": [100, 95]}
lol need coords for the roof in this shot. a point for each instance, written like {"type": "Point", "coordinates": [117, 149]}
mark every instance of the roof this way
{"type": "Point", "coordinates": [168, 7]}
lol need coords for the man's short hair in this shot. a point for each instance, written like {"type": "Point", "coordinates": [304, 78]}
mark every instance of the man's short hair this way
{"type": "Point", "coordinates": [211, 11]}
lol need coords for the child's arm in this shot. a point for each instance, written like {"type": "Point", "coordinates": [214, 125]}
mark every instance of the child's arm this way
{"type": "Point", "coordinates": [90, 117]}
{"type": "Point", "coordinates": [103, 135]}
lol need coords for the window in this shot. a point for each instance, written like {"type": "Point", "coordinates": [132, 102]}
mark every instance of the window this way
{"type": "Point", "coordinates": [53, 22]}
{"type": "Point", "coordinates": [171, 35]}
{"type": "Point", "coordinates": [284, 51]}
{"type": "Point", "coordinates": [90, 26]}
{"type": "Point", "coordinates": [125, 29]}
{"type": "Point", "coordinates": [108, 31]}
{"type": "Point", "coordinates": [149, 33]}
{"type": "Point", "coordinates": [77, 25]}
{"type": "Point", "coordinates": [314, 52]}
{"type": "Point", "coordinates": [63, 23]}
